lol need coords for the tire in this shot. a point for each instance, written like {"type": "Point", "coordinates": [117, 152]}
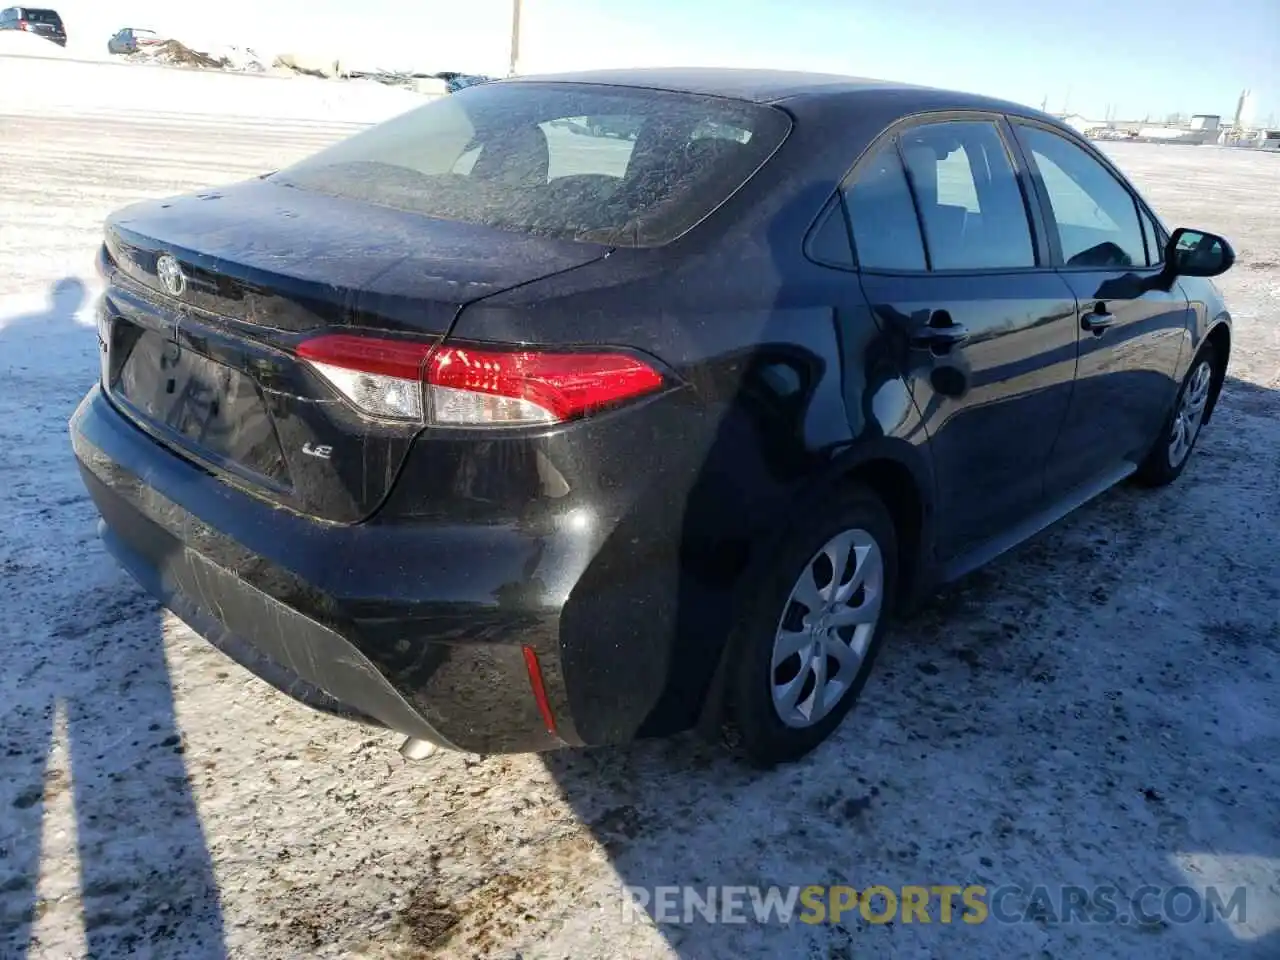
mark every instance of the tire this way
{"type": "Point", "coordinates": [758, 693]}
{"type": "Point", "coordinates": [1168, 457]}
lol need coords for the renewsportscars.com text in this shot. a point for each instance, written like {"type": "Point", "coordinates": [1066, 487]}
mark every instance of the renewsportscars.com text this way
{"type": "Point", "coordinates": [936, 903]}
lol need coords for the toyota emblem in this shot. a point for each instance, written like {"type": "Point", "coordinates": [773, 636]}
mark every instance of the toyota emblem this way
{"type": "Point", "coordinates": [171, 276]}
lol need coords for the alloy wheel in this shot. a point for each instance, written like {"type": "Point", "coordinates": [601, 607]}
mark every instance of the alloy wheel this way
{"type": "Point", "coordinates": [1190, 413]}
{"type": "Point", "coordinates": [826, 627]}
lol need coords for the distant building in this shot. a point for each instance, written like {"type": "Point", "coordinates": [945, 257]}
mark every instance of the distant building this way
{"type": "Point", "coordinates": [1080, 124]}
{"type": "Point", "coordinates": [1199, 128]}
{"type": "Point", "coordinates": [1162, 133]}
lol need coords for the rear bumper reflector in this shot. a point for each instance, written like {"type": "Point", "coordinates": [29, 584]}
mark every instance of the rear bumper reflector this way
{"type": "Point", "coordinates": [539, 690]}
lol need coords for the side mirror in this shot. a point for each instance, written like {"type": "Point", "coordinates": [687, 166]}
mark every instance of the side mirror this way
{"type": "Point", "coordinates": [1197, 253]}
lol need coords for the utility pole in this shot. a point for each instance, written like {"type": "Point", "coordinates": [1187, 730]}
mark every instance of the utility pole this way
{"type": "Point", "coordinates": [515, 37]}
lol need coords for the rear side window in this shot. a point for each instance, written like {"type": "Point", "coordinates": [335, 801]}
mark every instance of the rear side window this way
{"type": "Point", "coordinates": [1096, 216]}
{"type": "Point", "coordinates": [602, 164]}
{"type": "Point", "coordinates": [886, 234]}
{"type": "Point", "coordinates": [828, 242]}
{"type": "Point", "coordinates": [970, 203]}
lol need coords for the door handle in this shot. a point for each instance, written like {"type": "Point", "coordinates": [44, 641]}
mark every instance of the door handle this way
{"type": "Point", "coordinates": [941, 333]}
{"type": "Point", "coordinates": [1098, 320]}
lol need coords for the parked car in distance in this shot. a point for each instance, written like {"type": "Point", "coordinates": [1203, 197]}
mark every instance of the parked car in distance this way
{"type": "Point", "coordinates": [133, 39]}
{"type": "Point", "coordinates": [41, 21]}
{"type": "Point", "coordinates": [455, 81]}
{"type": "Point", "coordinates": [509, 439]}
{"type": "Point", "coordinates": [1108, 133]}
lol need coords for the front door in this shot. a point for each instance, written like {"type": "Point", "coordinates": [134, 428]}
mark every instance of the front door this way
{"type": "Point", "coordinates": [952, 271]}
{"type": "Point", "coordinates": [1130, 333]}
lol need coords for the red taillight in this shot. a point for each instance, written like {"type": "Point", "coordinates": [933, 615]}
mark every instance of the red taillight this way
{"type": "Point", "coordinates": [22, 25]}
{"type": "Point", "coordinates": [465, 386]}
{"type": "Point", "coordinates": [524, 386]}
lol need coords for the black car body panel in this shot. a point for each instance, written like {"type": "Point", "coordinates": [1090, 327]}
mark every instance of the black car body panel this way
{"type": "Point", "coordinates": [292, 260]}
{"type": "Point", "coordinates": [400, 580]}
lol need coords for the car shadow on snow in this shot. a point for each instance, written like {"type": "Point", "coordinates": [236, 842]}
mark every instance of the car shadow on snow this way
{"type": "Point", "coordinates": [1009, 738]}
{"type": "Point", "coordinates": [87, 719]}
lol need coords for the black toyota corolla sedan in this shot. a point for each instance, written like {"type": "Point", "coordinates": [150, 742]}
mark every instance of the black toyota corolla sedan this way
{"type": "Point", "coordinates": [569, 410]}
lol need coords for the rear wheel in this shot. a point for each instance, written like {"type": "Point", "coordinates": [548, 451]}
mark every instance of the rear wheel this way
{"type": "Point", "coordinates": [804, 655]}
{"type": "Point", "coordinates": [1172, 450]}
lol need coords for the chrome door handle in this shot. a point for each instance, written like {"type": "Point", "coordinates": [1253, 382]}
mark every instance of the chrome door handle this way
{"type": "Point", "coordinates": [940, 332]}
{"type": "Point", "coordinates": [1098, 320]}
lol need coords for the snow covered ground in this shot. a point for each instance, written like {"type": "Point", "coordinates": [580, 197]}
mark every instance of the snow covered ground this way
{"type": "Point", "coordinates": [37, 86]}
{"type": "Point", "coordinates": [1100, 707]}
{"type": "Point", "coordinates": [18, 43]}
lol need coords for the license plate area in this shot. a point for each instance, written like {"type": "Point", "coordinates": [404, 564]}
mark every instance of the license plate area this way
{"type": "Point", "coordinates": [214, 411]}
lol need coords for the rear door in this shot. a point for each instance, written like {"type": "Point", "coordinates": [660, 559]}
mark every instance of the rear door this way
{"type": "Point", "coordinates": [953, 270]}
{"type": "Point", "coordinates": [1130, 333]}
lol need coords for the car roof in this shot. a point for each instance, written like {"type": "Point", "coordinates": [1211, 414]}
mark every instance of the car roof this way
{"type": "Point", "coordinates": [773, 86]}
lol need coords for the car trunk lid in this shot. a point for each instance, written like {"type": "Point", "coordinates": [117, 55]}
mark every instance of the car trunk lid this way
{"type": "Point", "coordinates": [210, 295]}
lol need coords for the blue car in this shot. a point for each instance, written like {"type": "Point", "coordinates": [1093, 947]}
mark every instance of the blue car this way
{"type": "Point", "coordinates": [133, 39]}
{"type": "Point", "coordinates": [460, 81]}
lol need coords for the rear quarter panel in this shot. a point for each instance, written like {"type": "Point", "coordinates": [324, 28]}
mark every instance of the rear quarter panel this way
{"type": "Point", "coordinates": [778, 394]}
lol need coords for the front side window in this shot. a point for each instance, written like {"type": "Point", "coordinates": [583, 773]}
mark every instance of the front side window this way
{"type": "Point", "coordinates": [970, 203]}
{"type": "Point", "coordinates": [1097, 219]}
{"type": "Point", "coordinates": [886, 233]}
{"type": "Point", "coordinates": [601, 164]}
{"type": "Point", "coordinates": [1148, 238]}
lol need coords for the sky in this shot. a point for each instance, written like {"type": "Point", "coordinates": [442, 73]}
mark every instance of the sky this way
{"type": "Point", "coordinates": [1135, 58]}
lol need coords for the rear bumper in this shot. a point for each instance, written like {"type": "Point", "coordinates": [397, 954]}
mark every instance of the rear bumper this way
{"type": "Point", "coordinates": [419, 628]}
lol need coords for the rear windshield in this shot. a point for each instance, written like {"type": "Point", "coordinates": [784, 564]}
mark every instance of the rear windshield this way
{"type": "Point", "coordinates": [42, 16]}
{"type": "Point", "coordinates": [611, 165]}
